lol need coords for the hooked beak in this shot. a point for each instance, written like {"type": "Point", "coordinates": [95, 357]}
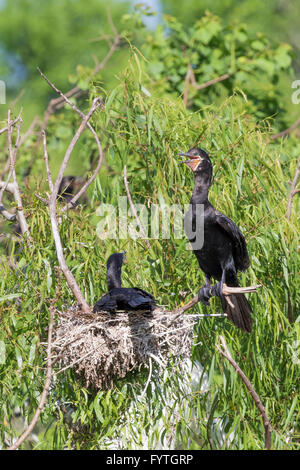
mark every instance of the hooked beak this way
{"type": "Point", "coordinates": [193, 160]}
{"type": "Point", "coordinates": [191, 157]}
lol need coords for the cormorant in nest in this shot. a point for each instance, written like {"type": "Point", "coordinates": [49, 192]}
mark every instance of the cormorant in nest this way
{"type": "Point", "coordinates": [224, 250]}
{"type": "Point", "coordinates": [122, 298]}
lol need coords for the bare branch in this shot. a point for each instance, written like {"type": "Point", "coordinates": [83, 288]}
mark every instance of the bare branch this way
{"type": "Point", "coordinates": [210, 82]}
{"type": "Point", "coordinates": [29, 130]}
{"type": "Point", "coordinates": [53, 210]}
{"type": "Point", "coordinates": [186, 85]}
{"type": "Point", "coordinates": [6, 214]}
{"type": "Point", "coordinates": [190, 78]}
{"type": "Point", "coordinates": [95, 105]}
{"type": "Point", "coordinates": [58, 103]}
{"type": "Point", "coordinates": [293, 191]}
{"type": "Point", "coordinates": [286, 131]}
{"type": "Point", "coordinates": [45, 201]}
{"type": "Point", "coordinates": [133, 209]}
{"type": "Point", "coordinates": [13, 187]}
{"type": "Point", "coordinates": [75, 198]}
{"type": "Point", "coordinates": [42, 402]}
{"type": "Point", "coordinates": [5, 129]}
{"type": "Point", "coordinates": [46, 159]}
{"type": "Point", "coordinates": [13, 156]}
{"type": "Point", "coordinates": [227, 290]}
{"type": "Point", "coordinates": [268, 431]}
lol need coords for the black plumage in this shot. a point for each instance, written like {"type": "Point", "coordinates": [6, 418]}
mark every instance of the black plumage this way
{"type": "Point", "coordinates": [67, 188]}
{"type": "Point", "coordinates": [224, 250]}
{"type": "Point", "coordinates": [122, 298]}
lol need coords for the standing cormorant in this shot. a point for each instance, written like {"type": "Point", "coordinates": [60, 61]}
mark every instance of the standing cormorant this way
{"type": "Point", "coordinates": [122, 298]}
{"type": "Point", "coordinates": [224, 251]}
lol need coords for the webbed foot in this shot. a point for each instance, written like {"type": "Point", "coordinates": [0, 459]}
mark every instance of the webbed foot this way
{"type": "Point", "coordinates": [216, 290]}
{"type": "Point", "coordinates": [204, 295]}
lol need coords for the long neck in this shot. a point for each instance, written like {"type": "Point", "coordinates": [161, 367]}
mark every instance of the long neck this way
{"type": "Point", "coordinates": [113, 277]}
{"type": "Point", "coordinates": [201, 188]}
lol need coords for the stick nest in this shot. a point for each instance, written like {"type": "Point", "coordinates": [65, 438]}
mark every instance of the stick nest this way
{"type": "Point", "coordinates": [103, 347]}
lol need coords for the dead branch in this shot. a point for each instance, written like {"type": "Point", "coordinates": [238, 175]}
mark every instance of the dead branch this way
{"type": "Point", "coordinates": [268, 431]}
{"type": "Point", "coordinates": [53, 209]}
{"type": "Point", "coordinates": [187, 81]}
{"type": "Point", "coordinates": [286, 131]}
{"type": "Point", "coordinates": [293, 191]}
{"type": "Point", "coordinates": [190, 79]}
{"type": "Point", "coordinates": [42, 402]}
{"type": "Point", "coordinates": [13, 187]}
{"type": "Point", "coordinates": [75, 198]}
{"type": "Point", "coordinates": [58, 103]}
{"type": "Point", "coordinates": [46, 160]}
{"type": "Point", "coordinates": [210, 82]}
{"type": "Point", "coordinates": [133, 209]}
{"type": "Point", "coordinates": [5, 129]}
{"type": "Point", "coordinates": [226, 291]}
{"type": "Point", "coordinates": [29, 130]}
{"type": "Point", "coordinates": [13, 156]}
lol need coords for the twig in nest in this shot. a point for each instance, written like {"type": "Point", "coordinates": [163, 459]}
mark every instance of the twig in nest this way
{"type": "Point", "coordinates": [293, 191]}
{"type": "Point", "coordinates": [133, 209]}
{"type": "Point", "coordinates": [42, 402]}
{"type": "Point", "coordinates": [103, 348]}
{"type": "Point", "coordinates": [268, 432]}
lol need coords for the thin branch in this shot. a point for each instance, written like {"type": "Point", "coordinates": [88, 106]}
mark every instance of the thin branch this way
{"type": "Point", "coordinates": [42, 402]}
{"type": "Point", "coordinates": [29, 130]}
{"type": "Point", "coordinates": [95, 105]}
{"type": "Point", "coordinates": [286, 131]}
{"type": "Point", "coordinates": [45, 201]}
{"type": "Point", "coordinates": [5, 129]}
{"type": "Point", "coordinates": [190, 78]}
{"type": "Point", "coordinates": [210, 82]}
{"type": "Point", "coordinates": [133, 209]}
{"type": "Point", "coordinates": [58, 103]}
{"type": "Point", "coordinates": [53, 212]}
{"type": "Point", "coordinates": [227, 290]}
{"type": "Point", "coordinates": [268, 431]}
{"type": "Point", "coordinates": [75, 198]}
{"type": "Point", "coordinates": [6, 214]}
{"type": "Point", "coordinates": [186, 85]}
{"type": "Point", "coordinates": [46, 160]}
{"type": "Point", "coordinates": [13, 156]}
{"type": "Point", "coordinates": [293, 191]}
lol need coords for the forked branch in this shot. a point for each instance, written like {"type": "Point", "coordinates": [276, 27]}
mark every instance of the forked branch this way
{"type": "Point", "coordinates": [83, 189]}
{"type": "Point", "coordinates": [13, 187]}
{"type": "Point", "coordinates": [52, 203]}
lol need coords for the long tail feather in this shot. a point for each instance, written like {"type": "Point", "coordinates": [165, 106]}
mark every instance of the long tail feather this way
{"type": "Point", "coordinates": [238, 310]}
